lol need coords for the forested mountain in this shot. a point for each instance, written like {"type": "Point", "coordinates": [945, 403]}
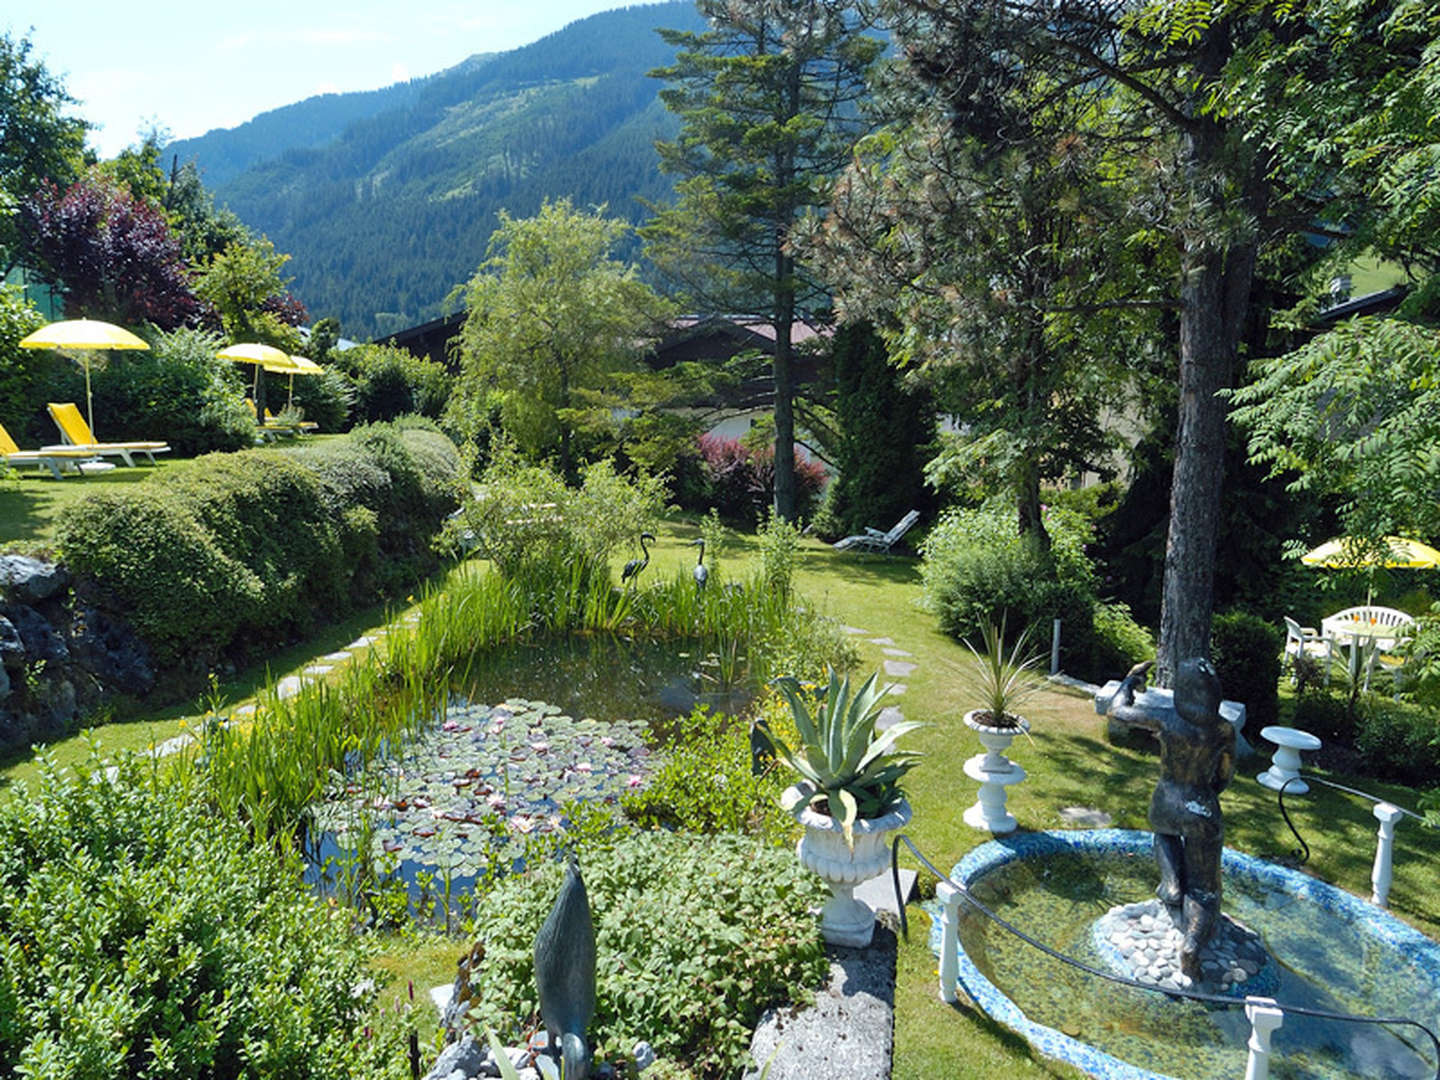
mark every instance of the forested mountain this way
{"type": "Point", "coordinates": [386, 199]}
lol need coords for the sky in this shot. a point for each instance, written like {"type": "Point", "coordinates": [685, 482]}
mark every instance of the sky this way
{"type": "Point", "coordinates": [190, 67]}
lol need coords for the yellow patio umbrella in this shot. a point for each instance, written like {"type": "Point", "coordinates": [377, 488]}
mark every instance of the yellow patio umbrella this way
{"type": "Point", "coordinates": [262, 356]}
{"type": "Point", "coordinates": [1348, 553]}
{"type": "Point", "coordinates": [80, 337]}
{"type": "Point", "coordinates": [300, 365]}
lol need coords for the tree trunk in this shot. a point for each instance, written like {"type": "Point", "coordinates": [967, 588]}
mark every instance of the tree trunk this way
{"type": "Point", "coordinates": [784, 410]}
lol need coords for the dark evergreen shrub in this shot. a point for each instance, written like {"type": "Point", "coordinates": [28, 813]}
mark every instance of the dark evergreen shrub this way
{"type": "Point", "coordinates": [1399, 741]}
{"type": "Point", "coordinates": [1245, 650]}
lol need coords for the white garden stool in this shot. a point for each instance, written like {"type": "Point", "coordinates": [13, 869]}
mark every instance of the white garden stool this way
{"type": "Point", "coordinates": [1285, 765]}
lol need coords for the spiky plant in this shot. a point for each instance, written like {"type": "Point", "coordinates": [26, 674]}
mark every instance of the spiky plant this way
{"type": "Point", "coordinates": [1002, 681]}
{"type": "Point", "coordinates": [847, 769]}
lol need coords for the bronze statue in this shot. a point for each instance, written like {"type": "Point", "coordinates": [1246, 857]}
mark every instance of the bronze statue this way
{"type": "Point", "coordinates": [565, 974]}
{"type": "Point", "coordinates": [1197, 761]}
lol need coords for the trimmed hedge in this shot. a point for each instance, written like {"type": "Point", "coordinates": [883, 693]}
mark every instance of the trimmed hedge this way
{"type": "Point", "coordinates": [245, 550]}
{"type": "Point", "coordinates": [1246, 652]}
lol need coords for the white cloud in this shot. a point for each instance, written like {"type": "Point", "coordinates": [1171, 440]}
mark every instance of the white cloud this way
{"type": "Point", "coordinates": [399, 73]}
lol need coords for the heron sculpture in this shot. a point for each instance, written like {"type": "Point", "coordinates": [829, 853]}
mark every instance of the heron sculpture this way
{"type": "Point", "coordinates": [634, 566]}
{"type": "Point", "coordinates": [702, 572]}
{"type": "Point", "coordinates": [565, 974]}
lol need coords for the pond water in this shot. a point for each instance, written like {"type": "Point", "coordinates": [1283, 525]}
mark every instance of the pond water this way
{"type": "Point", "coordinates": [571, 723]}
{"type": "Point", "coordinates": [1326, 961]}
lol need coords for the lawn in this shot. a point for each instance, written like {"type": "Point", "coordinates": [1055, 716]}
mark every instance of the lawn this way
{"type": "Point", "coordinates": [1068, 758]}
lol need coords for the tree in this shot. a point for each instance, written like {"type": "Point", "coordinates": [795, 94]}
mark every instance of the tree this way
{"type": "Point", "coordinates": [249, 295]}
{"type": "Point", "coordinates": [768, 102]}
{"type": "Point", "coordinates": [114, 254]}
{"type": "Point", "coordinates": [37, 141]}
{"type": "Point", "coordinates": [551, 318]}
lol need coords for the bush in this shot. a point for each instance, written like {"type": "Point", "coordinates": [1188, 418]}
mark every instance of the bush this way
{"type": "Point", "coordinates": [327, 399]}
{"type": "Point", "coordinates": [1246, 651]}
{"type": "Point", "coordinates": [1324, 714]}
{"type": "Point", "coordinates": [1118, 641]}
{"type": "Point", "coordinates": [243, 550]}
{"type": "Point", "coordinates": [391, 382]}
{"type": "Point", "coordinates": [978, 572]}
{"type": "Point", "coordinates": [143, 938]}
{"type": "Point", "coordinates": [22, 371]}
{"type": "Point", "coordinates": [706, 783]}
{"type": "Point", "coordinates": [1399, 741]}
{"type": "Point", "coordinates": [739, 480]}
{"type": "Point", "coordinates": [179, 391]}
{"type": "Point", "coordinates": [695, 937]}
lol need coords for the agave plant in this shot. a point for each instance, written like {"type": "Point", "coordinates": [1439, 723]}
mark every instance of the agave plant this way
{"type": "Point", "coordinates": [847, 769]}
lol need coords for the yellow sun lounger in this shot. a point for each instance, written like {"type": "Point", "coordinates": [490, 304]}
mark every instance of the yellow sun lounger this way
{"type": "Point", "coordinates": [275, 426]}
{"type": "Point", "coordinates": [56, 460]}
{"type": "Point", "coordinates": [78, 436]}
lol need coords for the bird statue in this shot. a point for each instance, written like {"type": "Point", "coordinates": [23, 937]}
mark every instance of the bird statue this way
{"type": "Point", "coordinates": [702, 572]}
{"type": "Point", "coordinates": [634, 566]}
{"type": "Point", "coordinates": [565, 974]}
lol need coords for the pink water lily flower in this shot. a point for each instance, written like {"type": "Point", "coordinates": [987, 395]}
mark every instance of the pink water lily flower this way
{"type": "Point", "coordinates": [634, 781]}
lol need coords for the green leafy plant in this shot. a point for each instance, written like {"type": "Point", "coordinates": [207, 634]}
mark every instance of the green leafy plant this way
{"type": "Point", "coordinates": [1003, 681]}
{"type": "Point", "coordinates": [847, 769]}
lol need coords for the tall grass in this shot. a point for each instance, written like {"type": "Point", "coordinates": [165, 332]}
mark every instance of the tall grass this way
{"type": "Point", "coordinates": [269, 772]}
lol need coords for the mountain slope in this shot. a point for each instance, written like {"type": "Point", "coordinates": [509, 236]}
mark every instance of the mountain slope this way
{"type": "Point", "coordinates": [384, 216]}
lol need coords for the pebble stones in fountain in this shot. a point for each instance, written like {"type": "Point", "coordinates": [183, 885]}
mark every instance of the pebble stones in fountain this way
{"type": "Point", "coordinates": [1142, 942]}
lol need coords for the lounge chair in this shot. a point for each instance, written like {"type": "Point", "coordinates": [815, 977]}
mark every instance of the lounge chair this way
{"type": "Point", "coordinates": [274, 426]}
{"type": "Point", "coordinates": [875, 540]}
{"type": "Point", "coordinates": [77, 435]}
{"type": "Point", "coordinates": [56, 460]}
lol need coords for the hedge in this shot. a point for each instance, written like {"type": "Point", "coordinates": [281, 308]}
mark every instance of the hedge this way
{"type": "Point", "coordinates": [243, 551]}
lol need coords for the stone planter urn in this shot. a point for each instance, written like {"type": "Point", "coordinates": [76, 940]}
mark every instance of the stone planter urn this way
{"type": "Point", "coordinates": [995, 772]}
{"type": "Point", "coordinates": [844, 919]}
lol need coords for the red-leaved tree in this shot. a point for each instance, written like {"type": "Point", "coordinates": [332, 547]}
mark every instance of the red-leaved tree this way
{"type": "Point", "coordinates": [114, 255]}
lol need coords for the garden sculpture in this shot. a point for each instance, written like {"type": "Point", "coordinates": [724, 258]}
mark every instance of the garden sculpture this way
{"type": "Point", "coordinates": [565, 974]}
{"type": "Point", "coordinates": [702, 572]}
{"type": "Point", "coordinates": [1197, 760]}
{"type": "Point", "coordinates": [634, 566]}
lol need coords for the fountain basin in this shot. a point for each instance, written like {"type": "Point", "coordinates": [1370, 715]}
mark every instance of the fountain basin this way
{"type": "Point", "coordinates": [1334, 951]}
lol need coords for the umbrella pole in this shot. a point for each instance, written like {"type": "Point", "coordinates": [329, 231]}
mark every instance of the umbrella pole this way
{"type": "Point", "coordinates": [89, 401]}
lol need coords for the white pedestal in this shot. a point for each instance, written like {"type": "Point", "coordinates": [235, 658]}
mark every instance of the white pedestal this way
{"type": "Point", "coordinates": [1285, 765]}
{"type": "Point", "coordinates": [989, 810]}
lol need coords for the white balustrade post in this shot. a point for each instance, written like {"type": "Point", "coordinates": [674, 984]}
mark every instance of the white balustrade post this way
{"type": "Point", "coordinates": [1387, 815]}
{"type": "Point", "coordinates": [949, 897]}
{"type": "Point", "coordinates": [1264, 1017]}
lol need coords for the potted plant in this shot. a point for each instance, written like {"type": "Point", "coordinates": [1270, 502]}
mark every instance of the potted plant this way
{"type": "Point", "coordinates": [1002, 681]}
{"type": "Point", "coordinates": [848, 797]}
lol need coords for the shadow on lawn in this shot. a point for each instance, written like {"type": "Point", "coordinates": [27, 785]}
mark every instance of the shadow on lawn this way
{"type": "Point", "coordinates": [30, 507]}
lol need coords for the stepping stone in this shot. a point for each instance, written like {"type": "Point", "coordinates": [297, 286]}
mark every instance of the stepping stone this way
{"type": "Point", "coordinates": [888, 718]}
{"type": "Point", "coordinates": [896, 652]}
{"type": "Point", "coordinates": [169, 746]}
{"type": "Point", "coordinates": [441, 995]}
{"type": "Point", "coordinates": [899, 668]}
{"type": "Point", "coordinates": [413, 617]}
{"type": "Point", "coordinates": [361, 643]}
{"type": "Point", "coordinates": [852, 630]}
{"type": "Point", "coordinates": [316, 670]}
{"type": "Point", "coordinates": [288, 686]}
{"type": "Point", "coordinates": [879, 891]}
{"type": "Point", "coordinates": [338, 657]}
{"type": "Point", "coordinates": [1086, 817]}
{"type": "Point", "coordinates": [895, 689]}
{"type": "Point", "coordinates": [882, 641]}
{"type": "Point", "coordinates": [244, 710]}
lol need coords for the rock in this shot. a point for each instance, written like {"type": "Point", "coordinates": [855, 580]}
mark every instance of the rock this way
{"type": "Point", "coordinates": [112, 652]}
{"type": "Point", "coordinates": [644, 1055]}
{"type": "Point", "coordinates": [466, 1057]}
{"type": "Point", "coordinates": [4, 683]}
{"type": "Point", "coordinates": [12, 649]}
{"type": "Point", "coordinates": [38, 637]}
{"type": "Point", "coordinates": [27, 580]}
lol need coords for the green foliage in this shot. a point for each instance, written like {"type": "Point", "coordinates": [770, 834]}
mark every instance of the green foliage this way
{"type": "Point", "coordinates": [847, 769]}
{"type": "Point", "coordinates": [707, 783]}
{"type": "Point", "coordinates": [550, 318]}
{"type": "Point", "coordinates": [1354, 413]}
{"type": "Point", "coordinates": [327, 399]}
{"type": "Point", "coordinates": [246, 548]}
{"type": "Point", "coordinates": [144, 937]}
{"type": "Point", "coordinates": [391, 382]}
{"type": "Point", "coordinates": [1118, 641]}
{"type": "Point", "coordinates": [1422, 659]}
{"type": "Point", "coordinates": [1399, 741]}
{"type": "Point", "coordinates": [1246, 652]}
{"type": "Point", "coordinates": [977, 570]}
{"type": "Point", "coordinates": [178, 391]}
{"type": "Point", "coordinates": [22, 371]}
{"type": "Point", "coordinates": [1002, 682]}
{"type": "Point", "coordinates": [243, 283]}
{"type": "Point", "coordinates": [779, 549]}
{"type": "Point", "coordinates": [1324, 714]}
{"type": "Point", "coordinates": [695, 936]}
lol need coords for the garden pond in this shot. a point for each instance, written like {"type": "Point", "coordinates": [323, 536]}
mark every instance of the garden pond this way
{"type": "Point", "coordinates": [537, 730]}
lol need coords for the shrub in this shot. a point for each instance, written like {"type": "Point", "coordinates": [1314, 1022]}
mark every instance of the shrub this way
{"type": "Point", "coordinates": [327, 399]}
{"type": "Point", "coordinates": [1245, 650]}
{"type": "Point", "coordinates": [1117, 641]}
{"type": "Point", "coordinates": [695, 937]}
{"type": "Point", "coordinates": [391, 382]}
{"type": "Point", "coordinates": [1399, 741]}
{"type": "Point", "coordinates": [706, 782]}
{"type": "Point", "coordinates": [178, 391]}
{"type": "Point", "coordinates": [1324, 714]}
{"type": "Point", "coordinates": [22, 371]}
{"type": "Point", "coordinates": [740, 480]}
{"type": "Point", "coordinates": [143, 938]}
{"type": "Point", "coordinates": [977, 571]}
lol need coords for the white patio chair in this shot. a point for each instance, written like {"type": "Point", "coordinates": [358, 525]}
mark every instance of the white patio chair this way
{"type": "Point", "coordinates": [1306, 641]}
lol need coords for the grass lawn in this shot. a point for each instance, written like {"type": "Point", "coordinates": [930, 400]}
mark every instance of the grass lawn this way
{"type": "Point", "coordinates": [1069, 761]}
